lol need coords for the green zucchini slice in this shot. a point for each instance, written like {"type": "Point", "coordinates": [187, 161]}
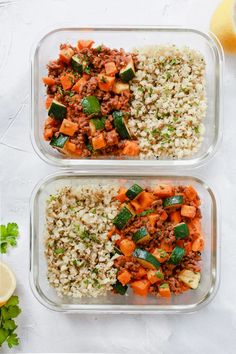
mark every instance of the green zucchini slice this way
{"type": "Point", "coordinates": [97, 124]}
{"type": "Point", "coordinates": [119, 288]}
{"type": "Point", "coordinates": [181, 230]}
{"type": "Point", "coordinates": [122, 218]}
{"type": "Point", "coordinates": [91, 105]}
{"type": "Point", "coordinates": [134, 191]}
{"type": "Point", "coordinates": [77, 64]}
{"type": "Point", "coordinates": [59, 141]}
{"type": "Point", "coordinates": [120, 125]}
{"type": "Point", "coordinates": [146, 259]}
{"type": "Point", "coordinates": [57, 110]}
{"type": "Point", "coordinates": [190, 278]}
{"type": "Point", "coordinates": [177, 255]}
{"type": "Point", "coordinates": [141, 235]}
{"type": "Point", "coordinates": [175, 201]}
{"type": "Point", "coordinates": [127, 73]}
{"type": "Point", "coordinates": [119, 87]}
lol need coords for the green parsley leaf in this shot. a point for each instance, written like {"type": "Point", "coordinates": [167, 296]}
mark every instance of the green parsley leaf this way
{"type": "Point", "coordinates": [13, 301]}
{"type": "Point", "coordinates": [9, 325]}
{"type": "Point", "coordinates": [196, 129]}
{"type": "Point", "coordinates": [13, 311]}
{"type": "Point", "coordinates": [12, 340]}
{"type": "Point", "coordinates": [8, 236]}
{"type": "Point", "coordinates": [3, 335]}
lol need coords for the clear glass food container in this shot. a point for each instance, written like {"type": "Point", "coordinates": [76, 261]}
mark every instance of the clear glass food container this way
{"type": "Point", "coordinates": [128, 38]}
{"type": "Point", "coordinates": [112, 303]}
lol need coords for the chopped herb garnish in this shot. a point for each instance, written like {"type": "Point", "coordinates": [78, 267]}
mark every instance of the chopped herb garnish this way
{"type": "Point", "coordinates": [146, 212]}
{"type": "Point", "coordinates": [99, 48]}
{"type": "Point", "coordinates": [89, 147]}
{"type": "Point", "coordinates": [173, 62]}
{"type": "Point", "coordinates": [160, 275]}
{"type": "Point", "coordinates": [103, 79]}
{"type": "Point", "coordinates": [171, 129]}
{"type": "Point", "coordinates": [155, 131]}
{"type": "Point", "coordinates": [196, 129]}
{"type": "Point", "coordinates": [59, 251]}
{"type": "Point", "coordinates": [7, 325]}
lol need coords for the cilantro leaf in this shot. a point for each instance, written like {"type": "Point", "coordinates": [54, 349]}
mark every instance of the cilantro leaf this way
{"type": "Point", "coordinates": [13, 301]}
{"type": "Point", "coordinates": [12, 229]}
{"type": "Point", "coordinates": [3, 335]}
{"type": "Point", "coordinates": [9, 324]}
{"type": "Point", "coordinates": [14, 311]}
{"type": "Point", "coordinates": [12, 340]}
{"type": "Point", "coordinates": [8, 236]}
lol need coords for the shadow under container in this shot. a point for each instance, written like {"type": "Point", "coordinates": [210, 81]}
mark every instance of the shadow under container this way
{"type": "Point", "coordinates": [111, 303]}
{"type": "Point", "coordinates": [128, 37]}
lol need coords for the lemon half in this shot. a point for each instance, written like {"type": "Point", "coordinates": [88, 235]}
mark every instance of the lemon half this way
{"type": "Point", "coordinates": [223, 25]}
{"type": "Point", "coordinates": [7, 283]}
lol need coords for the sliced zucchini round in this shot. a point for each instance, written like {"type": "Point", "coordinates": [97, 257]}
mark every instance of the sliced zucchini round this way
{"type": "Point", "coordinates": [181, 230]}
{"type": "Point", "coordinates": [119, 288]}
{"type": "Point", "coordinates": [57, 110]}
{"type": "Point", "coordinates": [122, 218]}
{"type": "Point", "coordinates": [120, 125]}
{"type": "Point", "coordinates": [91, 105]}
{"type": "Point", "coordinates": [146, 259]}
{"type": "Point", "coordinates": [175, 201]}
{"type": "Point", "coordinates": [134, 191]}
{"type": "Point", "coordinates": [177, 255]}
{"type": "Point", "coordinates": [141, 235]}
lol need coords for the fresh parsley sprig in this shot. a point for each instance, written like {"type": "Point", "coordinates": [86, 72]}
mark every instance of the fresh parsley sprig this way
{"type": "Point", "coordinates": [8, 236]}
{"type": "Point", "coordinates": [7, 325]}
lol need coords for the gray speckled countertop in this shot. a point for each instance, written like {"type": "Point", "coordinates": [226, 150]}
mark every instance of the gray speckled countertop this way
{"type": "Point", "coordinates": [212, 329]}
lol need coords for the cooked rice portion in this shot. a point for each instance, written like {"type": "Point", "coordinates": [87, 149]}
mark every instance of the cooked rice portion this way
{"type": "Point", "coordinates": [169, 102]}
{"type": "Point", "coordinates": [78, 251]}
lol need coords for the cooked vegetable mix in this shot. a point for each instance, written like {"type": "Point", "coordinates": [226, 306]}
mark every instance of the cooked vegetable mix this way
{"type": "Point", "coordinates": [139, 94]}
{"type": "Point", "coordinates": [161, 243]}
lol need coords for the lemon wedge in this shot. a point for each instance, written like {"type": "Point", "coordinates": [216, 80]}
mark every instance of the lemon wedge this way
{"type": "Point", "coordinates": [7, 283]}
{"type": "Point", "coordinates": [223, 25]}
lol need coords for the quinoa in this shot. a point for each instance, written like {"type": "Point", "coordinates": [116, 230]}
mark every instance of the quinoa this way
{"type": "Point", "coordinates": [77, 248]}
{"type": "Point", "coordinates": [169, 101]}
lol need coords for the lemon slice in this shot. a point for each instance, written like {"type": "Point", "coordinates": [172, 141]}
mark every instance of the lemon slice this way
{"type": "Point", "coordinates": [7, 283]}
{"type": "Point", "coordinates": [223, 25]}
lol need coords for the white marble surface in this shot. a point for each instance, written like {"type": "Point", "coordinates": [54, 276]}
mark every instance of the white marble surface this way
{"type": "Point", "coordinates": [212, 329]}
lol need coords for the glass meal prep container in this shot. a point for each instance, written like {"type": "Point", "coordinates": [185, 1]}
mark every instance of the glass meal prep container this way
{"type": "Point", "coordinates": [113, 303]}
{"type": "Point", "coordinates": [128, 37]}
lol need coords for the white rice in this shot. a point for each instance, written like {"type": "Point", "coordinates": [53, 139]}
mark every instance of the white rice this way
{"type": "Point", "coordinates": [169, 103]}
{"type": "Point", "coordinates": [77, 248]}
